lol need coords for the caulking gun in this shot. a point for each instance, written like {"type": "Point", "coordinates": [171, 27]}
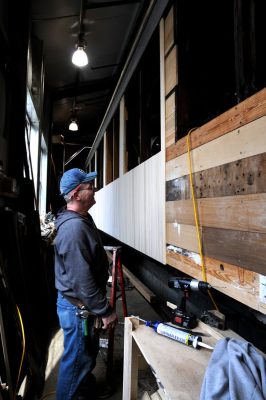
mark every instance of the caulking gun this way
{"type": "Point", "coordinates": [180, 335]}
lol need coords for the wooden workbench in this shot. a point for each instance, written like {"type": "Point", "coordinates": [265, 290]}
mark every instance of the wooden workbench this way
{"type": "Point", "coordinates": [179, 369]}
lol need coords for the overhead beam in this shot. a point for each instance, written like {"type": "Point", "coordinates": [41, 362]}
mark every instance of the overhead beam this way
{"type": "Point", "coordinates": [82, 88]}
{"type": "Point", "coordinates": [148, 25]}
{"type": "Point", "coordinates": [91, 4]}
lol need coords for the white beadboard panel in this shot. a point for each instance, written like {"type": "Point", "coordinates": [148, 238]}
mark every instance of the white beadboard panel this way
{"type": "Point", "coordinates": [139, 208]}
{"type": "Point", "coordinates": [155, 205]}
{"type": "Point", "coordinates": [131, 208]}
{"type": "Point", "coordinates": [125, 216]}
{"type": "Point", "coordinates": [243, 142]}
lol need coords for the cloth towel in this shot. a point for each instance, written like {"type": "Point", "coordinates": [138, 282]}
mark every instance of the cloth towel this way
{"type": "Point", "coordinates": [236, 371]}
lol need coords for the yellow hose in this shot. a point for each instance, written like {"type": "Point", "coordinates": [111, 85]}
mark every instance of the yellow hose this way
{"type": "Point", "coordinates": [23, 352]}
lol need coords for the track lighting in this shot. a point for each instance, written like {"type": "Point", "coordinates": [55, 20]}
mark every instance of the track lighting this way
{"type": "Point", "coordinates": [73, 126]}
{"type": "Point", "coordinates": [80, 58]}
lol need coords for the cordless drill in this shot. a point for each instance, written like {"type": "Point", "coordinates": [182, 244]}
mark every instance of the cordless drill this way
{"type": "Point", "coordinates": [180, 315]}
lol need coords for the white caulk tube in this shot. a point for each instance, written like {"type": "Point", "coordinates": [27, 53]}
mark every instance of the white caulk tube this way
{"type": "Point", "coordinates": [177, 334]}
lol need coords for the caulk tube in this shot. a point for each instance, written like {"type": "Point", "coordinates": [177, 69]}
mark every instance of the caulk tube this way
{"type": "Point", "coordinates": [174, 333]}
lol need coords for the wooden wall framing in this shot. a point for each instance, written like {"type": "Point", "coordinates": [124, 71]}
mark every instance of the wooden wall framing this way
{"type": "Point", "coordinates": [228, 157]}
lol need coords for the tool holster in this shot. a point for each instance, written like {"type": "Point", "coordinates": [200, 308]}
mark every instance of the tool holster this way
{"type": "Point", "coordinates": [84, 314]}
{"type": "Point", "coordinates": [98, 323]}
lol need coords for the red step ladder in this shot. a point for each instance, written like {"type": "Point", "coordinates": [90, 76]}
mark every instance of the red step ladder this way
{"type": "Point", "coordinates": [116, 272]}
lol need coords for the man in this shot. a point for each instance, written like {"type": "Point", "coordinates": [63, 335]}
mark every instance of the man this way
{"type": "Point", "coordinates": [81, 274]}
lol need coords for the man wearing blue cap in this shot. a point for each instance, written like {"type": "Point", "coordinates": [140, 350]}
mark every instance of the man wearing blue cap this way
{"type": "Point", "coordinates": [81, 274]}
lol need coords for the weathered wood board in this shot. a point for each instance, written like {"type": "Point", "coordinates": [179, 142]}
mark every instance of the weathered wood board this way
{"type": "Point", "coordinates": [170, 124]}
{"type": "Point", "coordinates": [245, 176]}
{"type": "Point", "coordinates": [169, 31]}
{"type": "Point", "coordinates": [228, 166]}
{"type": "Point", "coordinates": [170, 71]}
{"type": "Point", "coordinates": [247, 141]}
{"type": "Point", "coordinates": [184, 236]}
{"type": "Point", "coordinates": [239, 283]}
{"type": "Point", "coordinates": [249, 110]}
{"type": "Point", "coordinates": [246, 249]}
{"type": "Point", "coordinates": [245, 213]}
{"type": "Point", "coordinates": [242, 248]}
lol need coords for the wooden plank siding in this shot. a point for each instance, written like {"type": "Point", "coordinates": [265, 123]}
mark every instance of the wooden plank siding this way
{"type": "Point", "coordinates": [245, 249]}
{"type": "Point", "coordinates": [184, 236]}
{"type": "Point", "coordinates": [247, 111]}
{"type": "Point", "coordinates": [228, 159]}
{"type": "Point", "coordinates": [246, 176]}
{"type": "Point", "coordinates": [171, 70]}
{"type": "Point", "coordinates": [242, 248]}
{"type": "Point", "coordinates": [169, 31]}
{"type": "Point", "coordinates": [234, 281]}
{"type": "Point", "coordinates": [170, 125]}
{"type": "Point", "coordinates": [247, 141]}
{"type": "Point", "coordinates": [243, 213]}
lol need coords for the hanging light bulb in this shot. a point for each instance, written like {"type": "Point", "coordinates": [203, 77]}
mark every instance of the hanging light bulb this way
{"type": "Point", "coordinates": [80, 58]}
{"type": "Point", "coordinates": [73, 126]}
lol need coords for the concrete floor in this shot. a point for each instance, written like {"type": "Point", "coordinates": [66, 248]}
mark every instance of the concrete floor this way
{"type": "Point", "coordinates": [136, 305]}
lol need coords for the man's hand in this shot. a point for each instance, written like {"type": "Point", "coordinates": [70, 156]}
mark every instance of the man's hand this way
{"type": "Point", "coordinates": [110, 321]}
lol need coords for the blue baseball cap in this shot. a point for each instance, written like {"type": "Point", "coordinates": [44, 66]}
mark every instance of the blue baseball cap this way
{"type": "Point", "coordinates": [74, 177]}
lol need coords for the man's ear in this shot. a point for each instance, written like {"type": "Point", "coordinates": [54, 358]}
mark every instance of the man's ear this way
{"type": "Point", "coordinates": [75, 195]}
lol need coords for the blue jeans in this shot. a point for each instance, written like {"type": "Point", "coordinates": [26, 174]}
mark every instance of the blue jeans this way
{"type": "Point", "coordinates": [79, 355]}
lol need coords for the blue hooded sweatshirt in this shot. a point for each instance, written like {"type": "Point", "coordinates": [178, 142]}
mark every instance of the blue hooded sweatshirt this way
{"type": "Point", "coordinates": [81, 265]}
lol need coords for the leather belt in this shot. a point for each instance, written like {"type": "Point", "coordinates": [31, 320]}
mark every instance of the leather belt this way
{"type": "Point", "coordinates": [74, 301]}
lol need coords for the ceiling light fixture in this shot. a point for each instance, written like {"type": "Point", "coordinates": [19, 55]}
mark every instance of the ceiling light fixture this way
{"type": "Point", "coordinates": [73, 126]}
{"type": "Point", "coordinates": [80, 58]}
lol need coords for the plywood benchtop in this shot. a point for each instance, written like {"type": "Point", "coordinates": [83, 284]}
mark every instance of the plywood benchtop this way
{"type": "Point", "coordinates": [179, 368]}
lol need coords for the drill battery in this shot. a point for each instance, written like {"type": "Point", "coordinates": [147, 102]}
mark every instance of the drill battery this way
{"type": "Point", "coordinates": [186, 320]}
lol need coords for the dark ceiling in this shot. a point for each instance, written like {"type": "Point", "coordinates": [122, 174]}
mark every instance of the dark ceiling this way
{"type": "Point", "coordinates": [109, 27]}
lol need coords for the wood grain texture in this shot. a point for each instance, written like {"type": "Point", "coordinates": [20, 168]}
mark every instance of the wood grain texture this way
{"type": "Point", "coordinates": [130, 368]}
{"type": "Point", "coordinates": [244, 142]}
{"type": "Point", "coordinates": [170, 71]}
{"type": "Point", "coordinates": [143, 289]}
{"type": "Point", "coordinates": [170, 125]}
{"type": "Point", "coordinates": [232, 280]}
{"type": "Point", "coordinates": [245, 249]}
{"type": "Point", "coordinates": [181, 372]}
{"type": "Point", "coordinates": [245, 213]}
{"type": "Point", "coordinates": [246, 176]}
{"type": "Point", "coordinates": [184, 236]}
{"type": "Point", "coordinates": [169, 31]}
{"type": "Point", "coordinates": [245, 112]}
{"type": "Point", "coordinates": [178, 189]}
